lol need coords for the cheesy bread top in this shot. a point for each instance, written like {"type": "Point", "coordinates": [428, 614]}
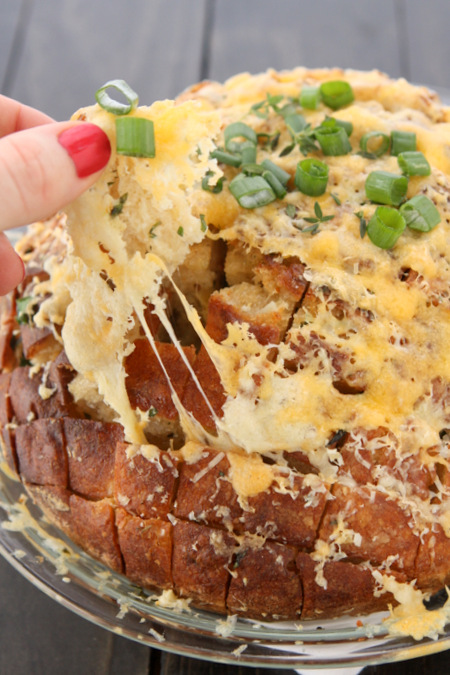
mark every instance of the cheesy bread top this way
{"type": "Point", "coordinates": [362, 331]}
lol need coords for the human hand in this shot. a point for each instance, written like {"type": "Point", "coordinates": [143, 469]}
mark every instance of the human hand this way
{"type": "Point", "coordinates": [44, 165]}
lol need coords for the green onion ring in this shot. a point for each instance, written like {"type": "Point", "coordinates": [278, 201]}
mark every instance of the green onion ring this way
{"type": "Point", "coordinates": [383, 187]}
{"type": "Point", "coordinates": [402, 141]}
{"type": "Point", "coordinates": [374, 144]}
{"type": "Point", "coordinates": [333, 140]}
{"type": "Point", "coordinates": [116, 107]}
{"type": "Point", "coordinates": [238, 130]}
{"type": "Point", "coordinates": [413, 163]}
{"type": "Point", "coordinates": [336, 94]}
{"type": "Point", "coordinates": [385, 227]}
{"type": "Point", "coordinates": [251, 191]}
{"type": "Point", "coordinates": [420, 213]}
{"type": "Point", "coordinates": [311, 177]}
{"type": "Point", "coordinates": [310, 97]}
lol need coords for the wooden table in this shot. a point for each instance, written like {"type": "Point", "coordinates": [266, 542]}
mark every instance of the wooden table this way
{"type": "Point", "coordinates": [53, 55]}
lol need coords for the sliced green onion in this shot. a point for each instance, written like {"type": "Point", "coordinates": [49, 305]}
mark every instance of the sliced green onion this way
{"type": "Point", "coordinates": [253, 169]}
{"type": "Point", "coordinates": [333, 122]}
{"type": "Point", "coordinates": [251, 191]}
{"type": "Point", "coordinates": [116, 107]}
{"type": "Point", "coordinates": [295, 123]}
{"type": "Point", "coordinates": [420, 213]}
{"type": "Point", "coordinates": [238, 130]}
{"type": "Point", "coordinates": [310, 97]}
{"type": "Point", "coordinates": [247, 152]}
{"type": "Point", "coordinates": [333, 140]}
{"type": "Point", "coordinates": [385, 227]}
{"type": "Point", "coordinates": [135, 137]}
{"type": "Point", "coordinates": [283, 176]}
{"type": "Point", "coordinates": [374, 144]}
{"type": "Point", "coordinates": [336, 94]}
{"type": "Point", "coordinates": [311, 177]}
{"type": "Point", "coordinates": [276, 185]}
{"type": "Point", "coordinates": [383, 187]}
{"type": "Point", "coordinates": [402, 141]}
{"type": "Point", "coordinates": [414, 163]}
{"type": "Point", "coordinates": [226, 157]}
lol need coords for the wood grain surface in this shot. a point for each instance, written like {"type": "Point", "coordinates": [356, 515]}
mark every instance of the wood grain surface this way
{"type": "Point", "coordinates": [54, 54]}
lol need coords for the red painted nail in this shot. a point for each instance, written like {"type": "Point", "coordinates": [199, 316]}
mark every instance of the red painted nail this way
{"type": "Point", "coordinates": [88, 147]}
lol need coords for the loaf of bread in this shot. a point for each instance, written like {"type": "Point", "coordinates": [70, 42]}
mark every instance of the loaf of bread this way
{"type": "Point", "coordinates": [226, 372]}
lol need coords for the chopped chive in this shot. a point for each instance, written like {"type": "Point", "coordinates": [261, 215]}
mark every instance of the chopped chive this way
{"type": "Point", "coordinates": [311, 177]}
{"type": "Point", "coordinates": [215, 189]}
{"type": "Point", "coordinates": [385, 227]}
{"type": "Point", "coordinates": [203, 225]}
{"type": "Point", "coordinates": [413, 163]}
{"type": "Point", "coordinates": [118, 206]}
{"type": "Point", "coordinates": [180, 231]}
{"type": "Point", "coordinates": [152, 411]}
{"type": "Point", "coordinates": [383, 187]}
{"type": "Point", "coordinates": [152, 232]}
{"type": "Point", "coordinates": [420, 213]}
{"type": "Point", "coordinates": [135, 137]}
{"type": "Point", "coordinates": [402, 141]}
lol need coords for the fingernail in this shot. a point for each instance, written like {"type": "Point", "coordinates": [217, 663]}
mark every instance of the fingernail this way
{"type": "Point", "coordinates": [88, 147]}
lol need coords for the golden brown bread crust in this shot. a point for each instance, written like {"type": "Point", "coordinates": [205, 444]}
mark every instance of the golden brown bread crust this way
{"type": "Point", "coordinates": [304, 543]}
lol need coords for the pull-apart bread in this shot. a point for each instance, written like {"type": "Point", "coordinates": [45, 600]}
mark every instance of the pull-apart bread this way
{"type": "Point", "coordinates": [227, 371]}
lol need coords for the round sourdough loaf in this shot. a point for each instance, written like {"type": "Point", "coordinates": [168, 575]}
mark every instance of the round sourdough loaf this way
{"type": "Point", "coordinates": [221, 381]}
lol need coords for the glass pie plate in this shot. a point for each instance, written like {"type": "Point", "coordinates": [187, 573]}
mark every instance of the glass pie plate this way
{"type": "Point", "coordinates": [56, 566]}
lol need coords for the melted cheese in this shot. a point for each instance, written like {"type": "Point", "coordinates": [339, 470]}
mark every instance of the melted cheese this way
{"type": "Point", "coordinates": [401, 350]}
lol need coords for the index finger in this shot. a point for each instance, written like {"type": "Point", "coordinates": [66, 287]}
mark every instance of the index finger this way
{"type": "Point", "coordinates": [15, 116]}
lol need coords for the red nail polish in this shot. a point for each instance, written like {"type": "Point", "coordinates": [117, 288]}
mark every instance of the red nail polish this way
{"type": "Point", "coordinates": [88, 147]}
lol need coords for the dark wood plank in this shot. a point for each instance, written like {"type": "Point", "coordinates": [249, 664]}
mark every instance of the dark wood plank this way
{"type": "Point", "coordinates": [10, 20]}
{"type": "Point", "coordinates": [428, 45]}
{"type": "Point", "coordinates": [72, 48]}
{"type": "Point", "coordinates": [39, 636]}
{"type": "Point", "coordinates": [258, 34]}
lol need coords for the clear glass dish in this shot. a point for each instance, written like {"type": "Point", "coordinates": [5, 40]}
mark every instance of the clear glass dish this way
{"type": "Point", "coordinates": [68, 575]}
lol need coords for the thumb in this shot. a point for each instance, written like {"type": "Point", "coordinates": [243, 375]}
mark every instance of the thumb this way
{"type": "Point", "coordinates": [44, 168]}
